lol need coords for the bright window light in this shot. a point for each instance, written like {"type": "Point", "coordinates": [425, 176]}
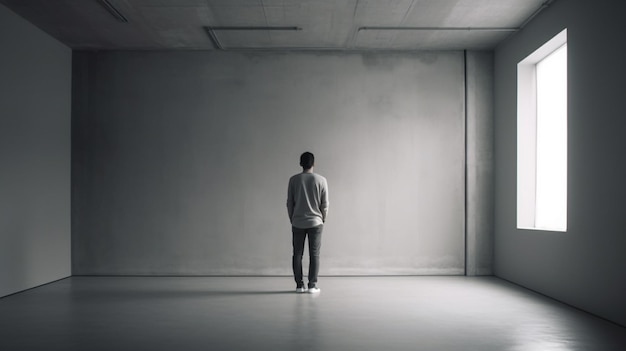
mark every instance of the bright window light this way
{"type": "Point", "coordinates": [542, 138]}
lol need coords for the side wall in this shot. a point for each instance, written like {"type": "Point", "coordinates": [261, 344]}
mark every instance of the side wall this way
{"type": "Point", "coordinates": [35, 114]}
{"type": "Point", "coordinates": [181, 160]}
{"type": "Point", "coordinates": [583, 267]}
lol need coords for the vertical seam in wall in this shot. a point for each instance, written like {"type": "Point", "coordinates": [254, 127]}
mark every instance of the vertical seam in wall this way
{"type": "Point", "coordinates": [465, 160]}
{"type": "Point", "coordinates": [72, 157]}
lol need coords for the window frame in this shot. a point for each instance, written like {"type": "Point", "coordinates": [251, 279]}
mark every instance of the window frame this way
{"type": "Point", "coordinates": [527, 136]}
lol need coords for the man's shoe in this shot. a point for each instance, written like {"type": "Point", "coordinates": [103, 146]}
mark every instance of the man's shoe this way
{"type": "Point", "coordinates": [301, 289]}
{"type": "Point", "coordinates": [314, 290]}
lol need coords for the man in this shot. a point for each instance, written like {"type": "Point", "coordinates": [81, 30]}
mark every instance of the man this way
{"type": "Point", "coordinates": [307, 206]}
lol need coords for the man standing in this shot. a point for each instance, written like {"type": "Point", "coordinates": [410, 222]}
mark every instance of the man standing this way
{"type": "Point", "coordinates": [307, 206]}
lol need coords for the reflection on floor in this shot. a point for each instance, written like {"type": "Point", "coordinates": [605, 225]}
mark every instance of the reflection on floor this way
{"type": "Point", "coordinates": [265, 313]}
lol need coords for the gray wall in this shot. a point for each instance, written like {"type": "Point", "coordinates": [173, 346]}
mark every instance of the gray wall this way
{"type": "Point", "coordinates": [181, 160]}
{"type": "Point", "coordinates": [35, 99]}
{"type": "Point", "coordinates": [583, 267]}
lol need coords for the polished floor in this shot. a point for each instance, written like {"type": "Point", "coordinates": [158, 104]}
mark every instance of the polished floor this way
{"type": "Point", "coordinates": [264, 313]}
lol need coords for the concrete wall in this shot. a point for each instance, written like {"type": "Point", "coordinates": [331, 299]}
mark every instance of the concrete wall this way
{"type": "Point", "coordinates": [583, 267]}
{"type": "Point", "coordinates": [35, 113]}
{"type": "Point", "coordinates": [181, 160]}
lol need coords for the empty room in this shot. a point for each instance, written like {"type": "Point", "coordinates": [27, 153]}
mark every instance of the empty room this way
{"type": "Point", "coordinates": [312, 175]}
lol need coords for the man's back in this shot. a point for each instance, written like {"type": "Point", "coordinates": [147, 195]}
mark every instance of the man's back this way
{"type": "Point", "coordinates": [307, 200]}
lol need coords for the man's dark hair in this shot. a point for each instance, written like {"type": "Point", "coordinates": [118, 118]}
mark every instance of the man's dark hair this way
{"type": "Point", "coordinates": [307, 160]}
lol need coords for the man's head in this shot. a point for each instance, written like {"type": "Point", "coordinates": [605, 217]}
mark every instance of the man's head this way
{"type": "Point", "coordinates": [307, 160]}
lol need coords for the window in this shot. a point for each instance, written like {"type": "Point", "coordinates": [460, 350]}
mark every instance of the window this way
{"type": "Point", "coordinates": [542, 137]}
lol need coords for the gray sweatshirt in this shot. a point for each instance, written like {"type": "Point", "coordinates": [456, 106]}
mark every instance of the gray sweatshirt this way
{"type": "Point", "coordinates": [307, 200]}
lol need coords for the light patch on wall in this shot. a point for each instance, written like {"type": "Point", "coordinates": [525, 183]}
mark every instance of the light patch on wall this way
{"type": "Point", "coordinates": [542, 137]}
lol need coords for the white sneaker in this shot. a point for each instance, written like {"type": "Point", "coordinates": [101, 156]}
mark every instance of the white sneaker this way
{"type": "Point", "coordinates": [301, 290]}
{"type": "Point", "coordinates": [314, 290]}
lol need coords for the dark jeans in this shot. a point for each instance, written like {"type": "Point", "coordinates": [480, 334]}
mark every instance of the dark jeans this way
{"type": "Point", "coordinates": [315, 242]}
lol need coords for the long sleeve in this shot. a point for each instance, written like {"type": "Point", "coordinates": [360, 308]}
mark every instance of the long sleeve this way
{"type": "Point", "coordinates": [324, 203]}
{"type": "Point", "coordinates": [290, 201]}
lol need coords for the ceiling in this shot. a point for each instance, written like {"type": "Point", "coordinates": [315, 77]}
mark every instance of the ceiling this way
{"type": "Point", "coordinates": [278, 24]}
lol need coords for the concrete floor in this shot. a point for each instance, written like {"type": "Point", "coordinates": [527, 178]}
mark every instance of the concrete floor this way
{"type": "Point", "coordinates": [262, 313]}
